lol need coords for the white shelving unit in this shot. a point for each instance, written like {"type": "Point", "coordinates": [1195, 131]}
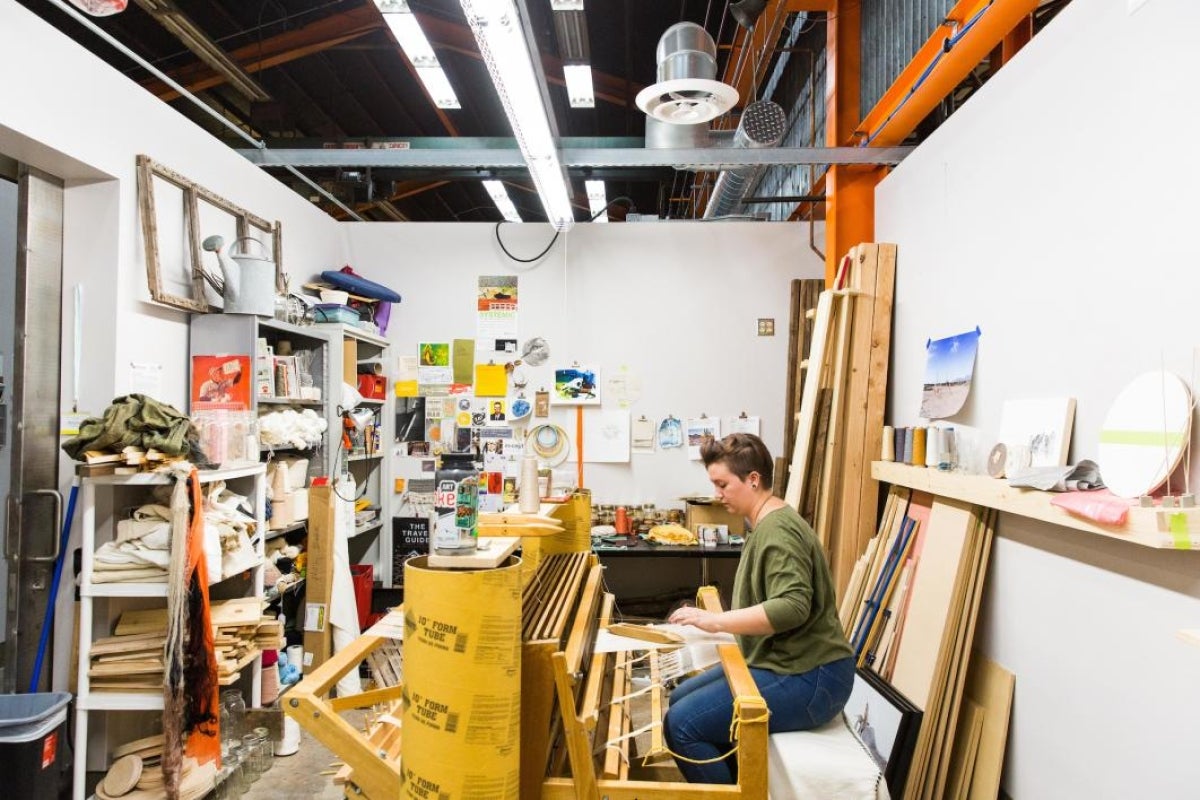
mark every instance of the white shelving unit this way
{"type": "Point", "coordinates": [351, 346]}
{"type": "Point", "coordinates": [101, 500]}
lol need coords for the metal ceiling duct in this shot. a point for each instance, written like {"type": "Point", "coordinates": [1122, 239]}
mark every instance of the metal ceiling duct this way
{"type": "Point", "coordinates": [763, 124]}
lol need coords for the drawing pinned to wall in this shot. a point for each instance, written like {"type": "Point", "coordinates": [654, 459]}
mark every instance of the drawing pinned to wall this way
{"type": "Point", "coordinates": [746, 424]}
{"type": "Point", "coordinates": [433, 365]}
{"type": "Point", "coordinates": [606, 436]}
{"type": "Point", "coordinates": [496, 306]}
{"type": "Point", "coordinates": [576, 386]}
{"type": "Point", "coordinates": [623, 387]}
{"type": "Point", "coordinates": [541, 403]}
{"type": "Point", "coordinates": [1036, 432]}
{"type": "Point", "coordinates": [670, 433]}
{"type": "Point", "coordinates": [949, 365]}
{"type": "Point", "coordinates": [643, 435]}
{"type": "Point", "coordinates": [497, 293]}
{"type": "Point", "coordinates": [697, 429]}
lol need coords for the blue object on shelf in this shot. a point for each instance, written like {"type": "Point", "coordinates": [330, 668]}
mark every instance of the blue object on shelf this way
{"type": "Point", "coordinates": [356, 284]}
{"type": "Point", "coordinates": [334, 312]}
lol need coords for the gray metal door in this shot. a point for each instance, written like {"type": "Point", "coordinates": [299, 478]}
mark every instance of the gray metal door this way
{"type": "Point", "coordinates": [33, 508]}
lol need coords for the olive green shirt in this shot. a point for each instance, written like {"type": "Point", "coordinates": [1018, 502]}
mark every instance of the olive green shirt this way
{"type": "Point", "coordinates": [783, 568]}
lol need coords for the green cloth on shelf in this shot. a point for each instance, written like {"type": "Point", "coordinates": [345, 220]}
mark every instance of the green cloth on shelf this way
{"type": "Point", "coordinates": [138, 421]}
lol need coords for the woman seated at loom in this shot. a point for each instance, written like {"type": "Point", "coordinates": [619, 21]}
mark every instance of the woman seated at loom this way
{"type": "Point", "coordinates": [784, 617]}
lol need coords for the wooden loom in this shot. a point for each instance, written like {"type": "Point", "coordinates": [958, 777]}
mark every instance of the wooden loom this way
{"type": "Point", "coordinates": [575, 704]}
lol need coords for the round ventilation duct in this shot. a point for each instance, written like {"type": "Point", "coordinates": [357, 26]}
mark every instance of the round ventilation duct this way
{"type": "Point", "coordinates": [763, 124]}
{"type": "Point", "coordinates": [686, 92]}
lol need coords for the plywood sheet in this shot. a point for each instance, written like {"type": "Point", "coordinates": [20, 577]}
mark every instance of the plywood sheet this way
{"type": "Point", "coordinates": [930, 608]}
{"type": "Point", "coordinates": [966, 748]}
{"type": "Point", "coordinates": [990, 686]}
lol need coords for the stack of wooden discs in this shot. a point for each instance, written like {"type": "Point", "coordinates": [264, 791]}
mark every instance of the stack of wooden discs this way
{"type": "Point", "coordinates": [136, 774]}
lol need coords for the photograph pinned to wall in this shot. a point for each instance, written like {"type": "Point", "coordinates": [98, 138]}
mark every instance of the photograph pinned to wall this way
{"type": "Point", "coordinates": [949, 365]}
{"type": "Point", "coordinates": [496, 411]}
{"type": "Point", "coordinates": [623, 387]}
{"type": "Point", "coordinates": [410, 419]}
{"type": "Point", "coordinates": [576, 386]}
{"type": "Point", "coordinates": [670, 433]}
{"type": "Point", "coordinates": [746, 424]}
{"type": "Point", "coordinates": [887, 723]}
{"type": "Point", "coordinates": [643, 430]}
{"type": "Point", "coordinates": [697, 429]}
{"type": "Point", "coordinates": [433, 365]}
{"type": "Point", "coordinates": [493, 454]}
{"type": "Point", "coordinates": [606, 436]}
{"type": "Point", "coordinates": [1036, 432]}
{"type": "Point", "coordinates": [541, 404]}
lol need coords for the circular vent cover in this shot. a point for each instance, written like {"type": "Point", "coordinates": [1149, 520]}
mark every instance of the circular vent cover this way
{"type": "Point", "coordinates": [687, 101]}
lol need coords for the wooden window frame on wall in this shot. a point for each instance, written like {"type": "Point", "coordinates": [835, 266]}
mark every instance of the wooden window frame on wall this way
{"type": "Point", "coordinates": [193, 194]}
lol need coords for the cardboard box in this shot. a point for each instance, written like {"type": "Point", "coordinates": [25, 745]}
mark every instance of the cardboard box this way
{"type": "Point", "coordinates": [707, 511]}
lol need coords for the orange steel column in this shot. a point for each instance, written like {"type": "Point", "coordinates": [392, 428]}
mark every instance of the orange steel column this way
{"type": "Point", "coordinates": [849, 190]}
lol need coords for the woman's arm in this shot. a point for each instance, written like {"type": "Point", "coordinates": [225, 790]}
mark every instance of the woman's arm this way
{"type": "Point", "coordinates": [751, 621]}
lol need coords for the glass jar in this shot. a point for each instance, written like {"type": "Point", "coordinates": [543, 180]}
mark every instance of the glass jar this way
{"type": "Point", "coordinates": [268, 747]}
{"type": "Point", "coordinates": [252, 757]}
{"type": "Point", "coordinates": [233, 716]}
{"type": "Point", "coordinates": [238, 782]}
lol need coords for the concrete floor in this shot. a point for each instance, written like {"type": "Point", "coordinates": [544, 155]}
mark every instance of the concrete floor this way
{"type": "Point", "coordinates": [298, 776]}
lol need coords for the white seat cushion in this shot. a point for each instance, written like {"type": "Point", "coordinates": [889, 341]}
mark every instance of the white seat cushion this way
{"type": "Point", "coordinates": [827, 763]}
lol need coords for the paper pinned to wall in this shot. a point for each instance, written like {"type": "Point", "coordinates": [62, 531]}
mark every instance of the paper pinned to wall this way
{"type": "Point", "coordinates": [490, 380]}
{"type": "Point", "coordinates": [606, 436]}
{"type": "Point", "coordinates": [697, 429]}
{"type": "Point", "coordinates": [745, 424]}
{"type": "Point", "coordinates": [949, 365]}
{"type": "Point", "coordinates": [643, 435]}
{"type": "Point", "coordinates": [406, 376]}
{"type": "Point", "coordinates": [464, 359]}
{"type": "Point", "coordinates": [434, 364]}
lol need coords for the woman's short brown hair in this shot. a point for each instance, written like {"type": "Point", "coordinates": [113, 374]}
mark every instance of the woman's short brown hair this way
{"type": "Point", "coordinates": [741, 453]}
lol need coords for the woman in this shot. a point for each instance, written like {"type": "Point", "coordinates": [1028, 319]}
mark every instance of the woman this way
{"type": "Point", "coordinates": [784, 616]}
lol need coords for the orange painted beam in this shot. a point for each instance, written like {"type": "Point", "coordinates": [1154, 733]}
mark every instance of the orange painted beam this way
{"type": "Point", "coordinates": [972, 28]}
{"type": "Point", "coordinates": [849, 190]}
{"type": "Point", "coordinates": [1017, 38]}
{"type": "Point", "coordinates": [812, 5]}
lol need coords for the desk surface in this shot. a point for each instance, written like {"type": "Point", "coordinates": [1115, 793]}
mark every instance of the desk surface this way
{"type": "Point", "coordinates": [644, 550]}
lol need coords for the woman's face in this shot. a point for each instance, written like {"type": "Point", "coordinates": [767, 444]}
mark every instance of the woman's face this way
{"type": "Point", "coordinates": [732, 491]}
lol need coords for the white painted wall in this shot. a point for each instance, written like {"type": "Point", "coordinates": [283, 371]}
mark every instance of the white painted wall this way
{"type": "Point", "coordinates": [677, 304]}
{"type": "Point", "coordinates": [1054, 211]}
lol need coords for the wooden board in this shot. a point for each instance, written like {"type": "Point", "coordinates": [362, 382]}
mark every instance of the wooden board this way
{"type": "Point", "coordinates": [322, 515]}
{"type": "Point", "coordinates": [990, 686]}
{"type": "Point", "coordinates": [802, 450]}
{"type": "Point", "coordinates": [804, 299]}
{"type": "Point", "coordinates": [490, 553]}
{"type": "Point", "coordinates": [928, 624]}
{"type": "Point", "coordinates": [966, 747]}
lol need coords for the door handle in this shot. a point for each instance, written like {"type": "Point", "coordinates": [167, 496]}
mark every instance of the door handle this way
{"type": "Point", "coordinates": [58, 522]}
{"type": "Point", "coordinates": [12, 533]}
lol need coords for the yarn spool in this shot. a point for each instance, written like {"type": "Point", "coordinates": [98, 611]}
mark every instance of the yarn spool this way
{"type": "Point", "coordinates": [918, 447]}
{"type": "Point", "coordinates": [889, 444]}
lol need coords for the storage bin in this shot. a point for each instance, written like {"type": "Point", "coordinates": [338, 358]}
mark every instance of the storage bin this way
{"type": "Point", "coordinates": [34, 747]}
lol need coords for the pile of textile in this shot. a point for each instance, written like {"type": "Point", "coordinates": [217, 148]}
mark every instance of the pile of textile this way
{"type": "Point", "coordinates": [139, 422]}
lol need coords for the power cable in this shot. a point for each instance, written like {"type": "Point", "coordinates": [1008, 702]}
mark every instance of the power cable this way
{"type": "Point", "coordinates": [554, 239]}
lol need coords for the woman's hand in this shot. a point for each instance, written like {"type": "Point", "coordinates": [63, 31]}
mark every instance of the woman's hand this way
{"type": "Point", "coordinates": [697, 617]}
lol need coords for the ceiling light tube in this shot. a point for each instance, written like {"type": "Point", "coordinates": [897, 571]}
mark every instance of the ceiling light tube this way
{"type": "Point", "coordinates": [499, 195]}
{"type": "Point", "coordinates": [417, 49]}
{"type": "Point", "coordinates": [597, 200]}
{"type": "Point", "coordinates": [579, 85]}
{"type": "Point", "coordinates": [498, 32]}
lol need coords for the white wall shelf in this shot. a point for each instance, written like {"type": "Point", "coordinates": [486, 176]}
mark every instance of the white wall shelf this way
{"type": "Point", "coordinates": [1142, 527]}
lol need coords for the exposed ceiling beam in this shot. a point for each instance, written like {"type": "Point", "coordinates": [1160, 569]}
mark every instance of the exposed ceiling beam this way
{"type": "Point", "coordinates": [273, 51]}
{"type": "Point", "coordinates": [167, 14]}
{"type": "Point", "coordinates": [486, 158]}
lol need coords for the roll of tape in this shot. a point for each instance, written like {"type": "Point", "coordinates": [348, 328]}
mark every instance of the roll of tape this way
{"type": "Point", "coordinates": [996, 461]}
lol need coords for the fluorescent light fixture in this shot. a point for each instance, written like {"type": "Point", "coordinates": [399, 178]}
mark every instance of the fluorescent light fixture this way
{"type": "Point", "coordinates": [597, 199]}
{"type": "Point", "coordinates": [566, 5]}
{"type": "Point", "coordinates": [579, 85]}
{"type": "Point", "coordinates": [497, 29]}
{"type": "Point", "coordinates": [499, 195]}
{"type": "Point", "coordinates": [404, 26]}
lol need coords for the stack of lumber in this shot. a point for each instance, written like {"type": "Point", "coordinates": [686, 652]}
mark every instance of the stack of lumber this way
{"type": "Point", "coordinates": [910, 611]}
{"type": "Point", "coordinates": [805, 293]}
{"type": "Point", "coordinates": [131, 660]}
{"type": "Point", "coordinates": [839, 429]}
{"type": "Point", "coordinates": [129, 461]}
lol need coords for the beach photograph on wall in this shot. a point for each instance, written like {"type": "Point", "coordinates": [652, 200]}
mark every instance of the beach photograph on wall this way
{"type": "Point", "coordinates": [949, 365]}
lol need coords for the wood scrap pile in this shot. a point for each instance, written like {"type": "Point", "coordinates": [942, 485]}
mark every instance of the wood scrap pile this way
{"type": "Point", "coordinates": [839, 429]}
{"type": "Point", "coordinates": [129, 461]}
{"type": "Point", "coordinates": [136, 774]}
{"type": "Point", "coordinates": [910, 611]}
{"type": "Point", "coordinates": [131, 660]}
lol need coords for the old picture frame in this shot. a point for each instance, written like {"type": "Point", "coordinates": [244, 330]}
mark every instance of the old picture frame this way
{"type": "Point", "coordinates": [176, 214]}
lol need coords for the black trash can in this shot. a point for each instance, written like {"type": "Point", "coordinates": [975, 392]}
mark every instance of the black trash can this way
{"type": "Point", "coordinates": [34, 748]}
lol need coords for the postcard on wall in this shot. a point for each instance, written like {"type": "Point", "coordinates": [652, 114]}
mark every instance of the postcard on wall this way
{"type": "Point", "coordinates": [463, 351]}
{"type": "Point", "coordinates": [576, 386]}
{"type": "Point", "coordinates": [434, 364]}
{"type": "Point", "coordinates": [222, 382]}
{"type": "Point", "coordinates": [697, 429]}
{"type": "Point", "coordinates": [606, 436]}
{"type": "Point", "coordinates": [949, 365]}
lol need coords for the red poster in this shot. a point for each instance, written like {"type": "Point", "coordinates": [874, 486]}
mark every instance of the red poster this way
{"type": "Point", "coordinates": [221, 382]}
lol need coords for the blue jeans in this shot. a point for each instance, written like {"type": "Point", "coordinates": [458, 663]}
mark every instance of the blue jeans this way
{"type": "Point", "coordinates": [701, 710]}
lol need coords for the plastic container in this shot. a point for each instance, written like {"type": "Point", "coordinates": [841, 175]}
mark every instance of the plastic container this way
{"type": "Point", "coordinates": [34, 746]}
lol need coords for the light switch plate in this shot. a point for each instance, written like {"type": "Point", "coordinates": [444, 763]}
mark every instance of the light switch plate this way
{"type": "Point", "coordinates": [766, 326]}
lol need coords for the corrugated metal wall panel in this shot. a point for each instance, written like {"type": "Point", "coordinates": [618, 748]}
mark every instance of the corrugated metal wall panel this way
{"type": "Point", "coordinates": [892, 32]}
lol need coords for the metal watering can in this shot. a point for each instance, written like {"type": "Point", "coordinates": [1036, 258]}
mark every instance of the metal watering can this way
{"type": "Point", "coordinates": [249, 281]}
